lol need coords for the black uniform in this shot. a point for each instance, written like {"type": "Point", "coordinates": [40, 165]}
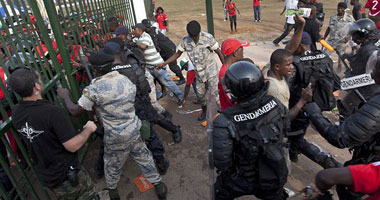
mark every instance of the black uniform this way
{"type": "Point", "coordinates": [315, 68]}
{"type": "Point", "coordinates": [166, 48]}
{"type": "Point", "coordinates": [360, 132]}
{"type": "Point", "coordinates": [358, 64]}
{"type": "Point", "coordinates": [248, 141]}
{"type": "Point", "coordinates": [320, 14]}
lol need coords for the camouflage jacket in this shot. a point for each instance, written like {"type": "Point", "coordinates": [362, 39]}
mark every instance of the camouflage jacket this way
{"type": "Point", "coordinates": [338, 30]}
{"type": "Point", "coordinates": [113, 96]}
{"type": "Point", "coordinates": [201, 55]}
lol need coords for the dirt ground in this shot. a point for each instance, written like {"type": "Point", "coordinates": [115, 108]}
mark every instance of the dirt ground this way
{"type": "Point", "coordinates": [188, 175]}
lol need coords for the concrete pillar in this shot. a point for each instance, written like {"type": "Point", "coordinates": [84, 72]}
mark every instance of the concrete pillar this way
{"type": "Point", "coordinates": [139, 10]}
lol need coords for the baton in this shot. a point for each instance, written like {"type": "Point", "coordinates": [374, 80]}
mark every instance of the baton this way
{"type": "Point", "coordinates": [330, 48]}
{"type": "Point", "coordinates": [87, 68]}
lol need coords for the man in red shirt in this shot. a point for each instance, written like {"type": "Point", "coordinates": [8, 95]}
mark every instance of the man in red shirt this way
{"type": "Point", "coordinates": [364, 179]}
{"type": "Point", "coordinates": [374, 10]}
{"type": "Point", "coordinates": [257, 10]}
{"type": "Point", "coordinates": [232, 8]}
{"type": "Point", "coordinates": [233, 50]}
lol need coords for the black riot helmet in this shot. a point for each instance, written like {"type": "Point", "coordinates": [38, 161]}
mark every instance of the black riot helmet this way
{"type": "Point", "coordinates": [244, 80]}
{"type": "Point", "coordinates": [362, 30]}
{"type": "Point", "coordinates": [101, 62]}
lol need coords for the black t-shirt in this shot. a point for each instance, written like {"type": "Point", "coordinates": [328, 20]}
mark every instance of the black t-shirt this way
{"type": "Point", "coordinates": [43, 127]}
{"type": "Point", "coordinates": [166, 46]}
{"type": "Point", "coordinates": [358, 10]}
{"type": "Point", "coordinates": [313, 28]}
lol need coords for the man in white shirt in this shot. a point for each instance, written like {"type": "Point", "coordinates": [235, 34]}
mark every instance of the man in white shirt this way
{"type": "Point", "coordinates": [289, 4]}
{"type": "Point", "coordinates": [153, 59]}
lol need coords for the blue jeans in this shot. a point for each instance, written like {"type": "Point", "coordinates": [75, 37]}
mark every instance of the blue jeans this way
{"type": "Point", "coordinates": [257, 12]}
{"type": "Point", "coordinates": [162, 76]}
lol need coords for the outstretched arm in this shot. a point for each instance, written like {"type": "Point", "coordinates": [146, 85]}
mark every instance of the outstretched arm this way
{"type": "Point", "coordinates": [307, 95]}
{"type": "Point", "coordinates": [327, 178]}
{"type": "Point", "coordinates": [171, 59]}
{"type": "Point", "coordinates": [357, 129]}
{"type": "Point", "coordinates": [74, 109]}
{"type": "Point", "coordinates": [327, 33]}
{"type": "Point", "coordinates": [75, 143]}
{"type": "Point", "coordinates": [295, 42]}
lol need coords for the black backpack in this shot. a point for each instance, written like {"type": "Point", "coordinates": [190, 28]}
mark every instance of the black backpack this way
{"type": "Point", "coordinates": [315, 68]}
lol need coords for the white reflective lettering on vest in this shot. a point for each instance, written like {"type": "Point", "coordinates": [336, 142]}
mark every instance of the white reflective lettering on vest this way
{"type": "Point", "coordinates": [356, 81]}
{"type": "Point", "coordinates": [121, 67]}
{"type": "Point", "coordinates": [253, 115]}
{"type": "Point", "coordinates": [318, 56]}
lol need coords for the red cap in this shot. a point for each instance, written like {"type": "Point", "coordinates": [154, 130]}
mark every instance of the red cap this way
{"type": "Point", "coordinates": [230, 45]}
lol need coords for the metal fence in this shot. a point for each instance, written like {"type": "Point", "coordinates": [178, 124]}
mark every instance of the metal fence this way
{"type": "Point", "coordinates": [49, 36]}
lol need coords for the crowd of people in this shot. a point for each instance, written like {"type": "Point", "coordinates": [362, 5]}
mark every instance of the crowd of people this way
{"type": "Point", "coordinates": [263, 114]}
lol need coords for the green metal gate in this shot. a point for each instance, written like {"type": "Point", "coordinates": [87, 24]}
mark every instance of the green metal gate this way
{"type": "Point", "coordinates": [49, 36]}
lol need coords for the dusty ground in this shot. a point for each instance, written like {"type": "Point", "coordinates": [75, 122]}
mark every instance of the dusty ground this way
{"type": "Point", "coordinates": [188, 175]}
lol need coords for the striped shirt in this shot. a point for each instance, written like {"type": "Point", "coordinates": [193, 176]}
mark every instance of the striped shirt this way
{"type": "Point", "coordinates": [151, 55]}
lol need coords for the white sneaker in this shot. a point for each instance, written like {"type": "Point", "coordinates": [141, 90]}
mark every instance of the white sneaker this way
{"type": "Point", "coordinates": [290, 192]}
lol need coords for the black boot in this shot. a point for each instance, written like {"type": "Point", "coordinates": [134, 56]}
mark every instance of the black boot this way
{"type": "Point", "coordinates": [114, 194]}
{"type": "Point", "coordinates": [326, 161]}
{"type": "Point", "coordinates": [162, 165]}
{"type": "Point", "coordinates": [181, 80]}
{"type": "Point", "coordinates": [202, 117]}
{"type": "Point", "coordinates": [167, 115]}
{"type": "Point", "coordinates": [177, 135]}
{"type": "Point", "coordinates": [161, 190]}
{"type": "Point", "coordinates": [293, 154]}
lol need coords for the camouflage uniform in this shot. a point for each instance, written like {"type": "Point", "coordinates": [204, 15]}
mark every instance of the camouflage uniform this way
{"type": "Point", "coordinates": [337, 32]}
{"type": "Point", "coordinates": [113, 95]}
{"type": "Point", "coordinates": [84, 191]}
{"type": "Point", "coordinates": [153, 97]}
{"type": "Point", "coordinates": [206, 69]}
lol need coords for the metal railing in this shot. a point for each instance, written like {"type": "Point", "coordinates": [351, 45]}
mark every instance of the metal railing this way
{"type": "Point", "coordinates": [48, 36]}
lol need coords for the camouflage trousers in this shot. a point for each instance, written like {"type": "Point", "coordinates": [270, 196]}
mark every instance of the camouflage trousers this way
{"type": "Point", "coordinates": [117, 148]}
{"type": "Point", "coordinates": [204, 87]}
{"type": "Point", "coordinates": [84, 191]}
{"type": "Point", "coordinates": [153, 97]}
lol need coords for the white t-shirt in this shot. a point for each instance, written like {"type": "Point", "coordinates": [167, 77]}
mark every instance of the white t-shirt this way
{"type": "Point", "coordinates": [190, 66]}
{"type": "Point", "coordinates": [291, 4]}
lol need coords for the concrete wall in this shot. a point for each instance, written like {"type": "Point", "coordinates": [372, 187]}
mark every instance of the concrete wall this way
{"type": "Point", "coordinates": [139, 10]}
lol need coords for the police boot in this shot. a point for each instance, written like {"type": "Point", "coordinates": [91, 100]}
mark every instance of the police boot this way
{"type": "Point", "coordinates": [330, 162]}
{"type": "Point", "coordinates": [177, 135]}
{"type": "Point", "coordinates": [161, 190]}
{"type": "Point", "coordinates": [167, 115]}
{"type": "Point", "coordinates": [114, 194]}
{"type": "Point", "coordinates": [293, 154]}
{"type": "Point", "coordinates": [181, 80]}
{"type": "Point", "coordinates": [202, 117]}
{"type": "Point", "coordinates": [162, 165]}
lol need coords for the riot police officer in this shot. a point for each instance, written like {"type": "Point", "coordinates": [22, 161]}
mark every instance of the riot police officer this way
{"type": "Point", "coordinates": [359, 132]}
{"type": "Point", "coordinates": [365, 34]}
{"type": "Point", "coordinates": [248, 138]}
{"type": "Point", "coordinates": [313, 68]}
